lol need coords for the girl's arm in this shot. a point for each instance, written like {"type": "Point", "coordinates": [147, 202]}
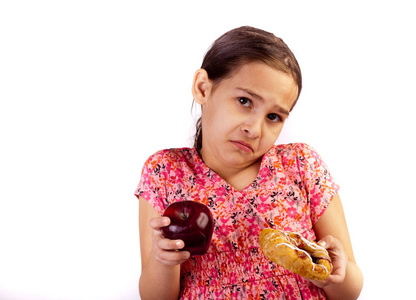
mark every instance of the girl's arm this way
{"type": "Point", "coordinates": [160, 277]}
{"type": "Point", "coordinates": [346, 279]}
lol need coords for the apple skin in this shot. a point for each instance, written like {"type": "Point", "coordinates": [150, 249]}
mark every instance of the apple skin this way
{"type": "Point", "coordinates": [191, 222]}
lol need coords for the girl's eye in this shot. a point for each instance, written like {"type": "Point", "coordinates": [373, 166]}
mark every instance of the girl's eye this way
{"type": "Point", "coordinates": [274, 117]}
{"type": "Point", "coordinates": [244, 101]}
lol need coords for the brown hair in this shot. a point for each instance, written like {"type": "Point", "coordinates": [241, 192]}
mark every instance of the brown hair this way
{"type": "Point", "coordinates": [242, 45]}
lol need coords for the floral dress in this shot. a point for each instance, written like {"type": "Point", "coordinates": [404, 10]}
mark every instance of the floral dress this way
{"type": "Point", "coordinates": [291, 192]}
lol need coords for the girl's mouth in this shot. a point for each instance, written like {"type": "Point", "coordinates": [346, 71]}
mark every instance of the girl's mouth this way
{"type": "Point", "coordinates": [243, 146]}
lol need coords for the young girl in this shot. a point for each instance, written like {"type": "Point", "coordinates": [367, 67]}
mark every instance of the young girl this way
{"type": "Point", "coordinates": [248, 84]}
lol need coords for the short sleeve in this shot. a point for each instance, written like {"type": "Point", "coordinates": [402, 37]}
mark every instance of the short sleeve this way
{"type": "Point", "coordinates": [318, 182]}
{"type": "Point", "coordinates": [153, 181]}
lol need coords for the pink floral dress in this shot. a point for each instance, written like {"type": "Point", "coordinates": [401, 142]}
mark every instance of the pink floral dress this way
{"type": "Point", "coordinates": [291, 192]}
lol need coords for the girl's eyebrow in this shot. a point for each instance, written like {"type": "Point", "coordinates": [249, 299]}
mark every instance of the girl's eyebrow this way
{"type": "Point", "coordinates": [261, 99]}
{"type": "Point", "coordinates": [252, 94]}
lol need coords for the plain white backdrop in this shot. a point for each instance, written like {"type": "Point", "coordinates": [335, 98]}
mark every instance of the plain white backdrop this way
{"type": "Point", "coordinates": [89, 89]}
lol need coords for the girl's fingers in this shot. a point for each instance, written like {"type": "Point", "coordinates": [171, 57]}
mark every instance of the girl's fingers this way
{"type": "Point", "coordinates": [168, 251]}
{"type": "Point", "coordinates": [339, 260]}
{"type": "Point", "coordinates": [167, 244]}
{"type": "Point", "coordinates": [159, 222]}
{"type": "Point", "coordinates": [165, 250]}
{"type": "Point", "coordinates": [329, 242]}
{"type": "Point", "coordinates": [171, 257]}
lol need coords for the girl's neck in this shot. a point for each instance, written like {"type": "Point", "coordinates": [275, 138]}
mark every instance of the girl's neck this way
{"type": "Point", "coordinates": [238, 178]}
{"type": "Point", "coordinates": [242, 178]}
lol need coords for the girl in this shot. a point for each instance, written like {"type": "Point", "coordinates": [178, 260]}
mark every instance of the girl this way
{"type": "Point", "coordinates": [248, 84]}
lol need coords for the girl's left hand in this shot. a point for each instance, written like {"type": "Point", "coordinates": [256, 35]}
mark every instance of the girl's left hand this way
{"type": "Point", "coordinates": [339, 261]}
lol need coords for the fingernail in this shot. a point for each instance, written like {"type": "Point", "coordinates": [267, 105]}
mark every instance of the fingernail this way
{"type": "Point", "coordinates": [166, 221]}
{"type": "Point", "coordinates": [179, 244]}
{"type": "Point", "coordinates": [322, 243]}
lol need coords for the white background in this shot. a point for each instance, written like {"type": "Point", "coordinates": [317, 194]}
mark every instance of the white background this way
{"type": "Point", "coordinates": [89, 89]}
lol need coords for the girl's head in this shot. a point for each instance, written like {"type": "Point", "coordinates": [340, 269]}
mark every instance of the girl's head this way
{"type": "Point", "coordinates": [246, 46]}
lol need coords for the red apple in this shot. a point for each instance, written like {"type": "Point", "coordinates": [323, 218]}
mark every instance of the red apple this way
{"type": "Point", "coordinates": [191, 222]}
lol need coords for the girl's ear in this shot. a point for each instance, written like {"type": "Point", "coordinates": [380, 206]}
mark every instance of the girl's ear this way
{"type": "Point", "coordinates": [201, 86]}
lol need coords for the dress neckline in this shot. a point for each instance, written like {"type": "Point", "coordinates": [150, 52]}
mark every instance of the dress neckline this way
{"type": "Point", "coordinates": [208, 171]}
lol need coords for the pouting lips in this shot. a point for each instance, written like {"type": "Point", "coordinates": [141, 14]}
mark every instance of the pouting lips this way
{"type": "Point", "coordinates": [243, 146]}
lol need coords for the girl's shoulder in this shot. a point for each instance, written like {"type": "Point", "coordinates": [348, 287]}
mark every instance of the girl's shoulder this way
{"type": "Point", "coordinates": [174, 155]}
{"type": "Point", "coordinates": [296, 156]}
{"type": "Point", "coordinates": [293, 150]}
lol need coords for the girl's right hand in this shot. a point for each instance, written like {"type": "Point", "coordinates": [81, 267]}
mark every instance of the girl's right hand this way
{"type": "Point", "coordinates": [166, 251]}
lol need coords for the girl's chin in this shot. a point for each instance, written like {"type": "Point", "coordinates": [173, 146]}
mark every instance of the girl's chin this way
{"type": "Point", "coordinates": [240, 160]}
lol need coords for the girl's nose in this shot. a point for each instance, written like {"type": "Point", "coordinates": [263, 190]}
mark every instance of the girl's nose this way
{"type": "Point", "coordinates": [252, 128]}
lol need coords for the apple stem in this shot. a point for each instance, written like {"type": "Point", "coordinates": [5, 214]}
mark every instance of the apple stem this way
{"type": "Point", "coordinates": [183, 209]}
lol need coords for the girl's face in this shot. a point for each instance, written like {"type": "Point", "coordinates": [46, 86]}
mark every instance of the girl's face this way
{"type": "Point", "coordinates": [243, 115]}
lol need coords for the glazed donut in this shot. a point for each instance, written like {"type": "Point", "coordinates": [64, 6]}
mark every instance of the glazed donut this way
{"type": "Point", "coordinates": [295, 253]}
